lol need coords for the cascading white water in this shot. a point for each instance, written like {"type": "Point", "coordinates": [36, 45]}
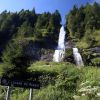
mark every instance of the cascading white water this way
{"type": "Point", "coordinates": [61, 41]}
{"type": "Point", "coordinates": [60, 52]}
{"type": "Point", "coordinates": [77, 57]}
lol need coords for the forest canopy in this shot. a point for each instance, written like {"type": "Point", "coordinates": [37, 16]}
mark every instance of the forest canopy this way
{"type": "Point", "coordinates": [83, 23]}
{"type": "Point", "coordinates": [29, 25]}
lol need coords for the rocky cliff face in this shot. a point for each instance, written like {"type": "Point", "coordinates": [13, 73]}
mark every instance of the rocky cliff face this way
{"type": "Point", "coordinates": [95, 49]}
{"type": "Point", "coordinates": [38, 51]}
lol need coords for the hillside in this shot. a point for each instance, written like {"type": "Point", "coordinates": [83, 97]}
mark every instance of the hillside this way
{"type": "Point", "coordinates": [83, 25]}
{"type": "Point", "coordinates": [27, 44]}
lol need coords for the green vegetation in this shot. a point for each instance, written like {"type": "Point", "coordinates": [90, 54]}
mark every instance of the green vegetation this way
{"type": "Point", "coordinates": [27, 24]}
{"type": "Point", "coordinates": [90, 39]}
{"type": "Point", "coordinates": [83, 25]}
{"type": "Point", "coordinates": [27, 37]}
{"type": "Point", "coordinates": [23, 31]}
{"type": "Point", "coordinates": [61, 81]}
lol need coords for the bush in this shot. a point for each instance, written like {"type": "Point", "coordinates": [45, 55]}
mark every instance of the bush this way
{"type": "Point", "coordinates": [62, 81]}
{"type": "Point", "coordinates": [52, 93]}
{"type": "Point", "coordinates": [20, 94]}
{"type": "Point", "coordinates": [15, 57]}
{"type": "Point", "coordinates": [82, 44]}
{"type": "Point", "coordinates": [68, 79]}
{"type": "Point", "coordinates": [96, 61]}
{"type": "Point", "coordinates": [69, 55]}
{"type": "Point", "coordinates": [87, 56]}
{"type": "Point", "coordinates": [2, 93]}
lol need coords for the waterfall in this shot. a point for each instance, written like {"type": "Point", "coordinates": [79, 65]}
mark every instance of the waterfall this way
{"type": "Point", "coordinates": [77, 57]}
{"type": "Point", "coordinates": [60, 51]}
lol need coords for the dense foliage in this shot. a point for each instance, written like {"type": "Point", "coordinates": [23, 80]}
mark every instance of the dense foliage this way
{"type": "Point", "coordinates": [28, 24]}
{"type": "Point", "coordinates": [83, 23]}
{"type": "Point", "coordinates": [22, 31]}
{"type": "Point", "coordinates": [26, 37]}
{"type": "Point", "coordinates": [61, 81]}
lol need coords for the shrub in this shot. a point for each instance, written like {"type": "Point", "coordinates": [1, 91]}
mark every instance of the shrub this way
{"type": "Point", "coordinates": [52, 93]}
{"type": "Point", "coordinates": [95, 61]}
{"type": "Point", "coordinates": [69, 55]}
{"type": "Point", "coordinates": [82, 44]}
{"type": "Point", "coordinates": [16, 59]}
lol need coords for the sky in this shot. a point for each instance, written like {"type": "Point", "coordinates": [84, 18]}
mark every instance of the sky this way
{"type": "Point", "coordinates": [64, 6]}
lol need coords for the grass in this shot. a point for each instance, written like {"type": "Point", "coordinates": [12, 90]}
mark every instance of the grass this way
{"type": "Point", "coordinates": [91, 74]}
{"type": "Point", "coordinates": [1, 68]}
{"type": "Point", "coordinates": [48, 66]}
{"type": "Point", "coordinates": [88, 74]}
